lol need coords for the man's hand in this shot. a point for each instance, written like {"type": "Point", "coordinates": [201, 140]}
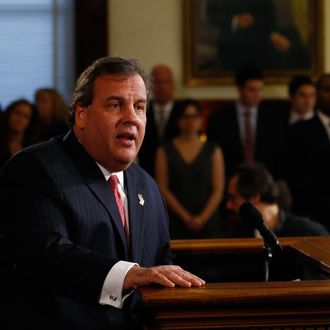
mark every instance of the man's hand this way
{"type": "Point", "coordinates": [280, 42]}
{"type": "Point", "coordinates": [168, 276]}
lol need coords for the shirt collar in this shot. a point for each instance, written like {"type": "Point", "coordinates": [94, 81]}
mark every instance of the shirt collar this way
{"type": "Point", "coordinates": [107, 174]}
{"type": "Point", "coordinates": [294, 117]}
{"type": "Point", "coordinates": [241, 109]}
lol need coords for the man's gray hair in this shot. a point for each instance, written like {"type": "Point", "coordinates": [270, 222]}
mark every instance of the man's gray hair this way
{"type": "Point", "coordinates": [115, 66]}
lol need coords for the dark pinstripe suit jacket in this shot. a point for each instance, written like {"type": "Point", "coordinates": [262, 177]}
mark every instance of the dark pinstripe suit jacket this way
{"type": "Point", "coordinates": [64, 233]}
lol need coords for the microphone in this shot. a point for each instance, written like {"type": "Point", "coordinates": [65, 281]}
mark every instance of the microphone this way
{"type": "Point", "coordinates": [250, 215]}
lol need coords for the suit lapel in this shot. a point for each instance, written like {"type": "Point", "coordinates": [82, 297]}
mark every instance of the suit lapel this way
{"type": "Point", "coordinates": [136, 202]}
{"type": "Point", "coordinates": [321, 135]}
{"type": "Point", "coordinates": [95, 181]}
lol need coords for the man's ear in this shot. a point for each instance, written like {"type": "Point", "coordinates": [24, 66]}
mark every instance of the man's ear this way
{"type": "Point", "coordinates": [80, 115]}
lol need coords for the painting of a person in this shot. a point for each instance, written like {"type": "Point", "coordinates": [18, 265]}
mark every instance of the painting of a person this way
{"type": "Point", "coordinates": [259, 32]}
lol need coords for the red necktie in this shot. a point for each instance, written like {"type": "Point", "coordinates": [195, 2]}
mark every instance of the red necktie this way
{"type": "Point", "coordinates": [113, 181]}
{"type": "Point", "coordinates": [248, 139]}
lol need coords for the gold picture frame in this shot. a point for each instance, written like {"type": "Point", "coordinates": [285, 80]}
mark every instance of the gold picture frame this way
{"type": "Point", "coordinates": [288, 41]}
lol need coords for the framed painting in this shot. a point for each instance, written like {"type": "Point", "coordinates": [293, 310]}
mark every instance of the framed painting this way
{"type": "Point", "coordinates": [281, 37]}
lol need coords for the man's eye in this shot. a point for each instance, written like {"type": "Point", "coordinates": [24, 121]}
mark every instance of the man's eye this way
{"type": "Point", "coordinates": [115, 105]}
{"type": "Point", "coordinates": [140, 107]}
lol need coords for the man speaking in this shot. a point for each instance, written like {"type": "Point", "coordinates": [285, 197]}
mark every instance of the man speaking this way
{"type": "Point", "coordinates": [84, 226]}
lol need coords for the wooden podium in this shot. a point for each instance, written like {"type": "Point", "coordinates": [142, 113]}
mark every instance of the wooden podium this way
{"type": "Point", "coordinates": [282, 303]}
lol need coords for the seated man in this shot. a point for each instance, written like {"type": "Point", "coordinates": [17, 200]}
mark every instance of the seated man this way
{"type": "Point", "coordinates": [253, 183]}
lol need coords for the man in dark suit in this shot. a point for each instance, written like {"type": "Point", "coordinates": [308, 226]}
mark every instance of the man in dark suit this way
{"type": "Point", "coordinates": [80, 247]}
{"type": "Point", "coordinates": [308, 160]}
{"type": "Point", "coordinates": [247, 131]}
{"type": "Point", "coordinates": [244, 28]}
{"type": "Point", "coordinates": [323, 93]}
{"type": "Point", "coordinates": [161, 116]}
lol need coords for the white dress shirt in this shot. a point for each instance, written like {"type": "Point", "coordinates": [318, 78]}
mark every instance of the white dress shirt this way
{"type": "Point", "coordinates": [240, 115]}
{"type": "Point", "coordinates": [112, 289]}
{"type": "Point", "coordinates": [294, 117]}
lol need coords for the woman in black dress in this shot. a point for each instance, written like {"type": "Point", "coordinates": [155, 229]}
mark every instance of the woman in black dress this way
{"type": "Point", "coordinates": [190, 174]}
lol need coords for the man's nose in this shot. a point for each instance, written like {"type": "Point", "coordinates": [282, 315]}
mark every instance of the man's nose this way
{"type": "Point", "coordinates": [129, 113]}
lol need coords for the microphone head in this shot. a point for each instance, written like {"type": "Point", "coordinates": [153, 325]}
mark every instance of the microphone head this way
{"type": "Point", "coordinates": [250, 215]}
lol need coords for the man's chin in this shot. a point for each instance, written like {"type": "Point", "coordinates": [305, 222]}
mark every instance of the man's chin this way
{"type": "Point", "coordinates": [123, 163]}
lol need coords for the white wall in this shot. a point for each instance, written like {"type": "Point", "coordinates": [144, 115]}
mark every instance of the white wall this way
{"type": "Point", "coordinates": [151, 31]}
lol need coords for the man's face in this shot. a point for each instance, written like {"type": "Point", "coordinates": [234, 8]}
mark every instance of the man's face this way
{"type": "Point", "coordinates": [112, 128]}
{"type": "Point", "coordinates": [234, 199]}
{"type": "Point", "coordinates": [163, 85]}
{"type": "Point", "coordinates": [44, 105]}
{"type": "Point", "coordinates": [304, 99]}
{"type": "Point", "coordinates": [251, 92]}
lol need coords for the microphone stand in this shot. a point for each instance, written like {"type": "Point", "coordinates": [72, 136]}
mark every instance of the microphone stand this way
{"type": "Point", "coordinates": [268, 254]}
{"type": "Point", "coordinates": [269, 249]}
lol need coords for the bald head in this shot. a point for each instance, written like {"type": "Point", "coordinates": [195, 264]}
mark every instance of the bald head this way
{"type": "Point", "coordinates": [162, 84]}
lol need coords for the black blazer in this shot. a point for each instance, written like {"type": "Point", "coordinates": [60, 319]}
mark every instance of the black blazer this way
{"type": "Point", "coordinates": [151, 141]}
{"type": "Point", "coordinates": [63, 232]}
{"type": "Point", "coordinates": [223, 128]}
{"type": "Point", "coordinates": [307, 169]}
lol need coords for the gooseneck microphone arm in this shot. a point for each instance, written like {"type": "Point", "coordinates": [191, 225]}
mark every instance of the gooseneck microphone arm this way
{"type": "Point", "coordinates": [250, 215]}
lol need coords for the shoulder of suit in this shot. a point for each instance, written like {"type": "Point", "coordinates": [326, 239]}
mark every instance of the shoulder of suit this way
{"type": "Point", "coordinates": [138, 172]}
{"type": "Point", "coordinates": [304, 225]}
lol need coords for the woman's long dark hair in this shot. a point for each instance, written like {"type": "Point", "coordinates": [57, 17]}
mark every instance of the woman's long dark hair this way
{"type": "Point", "coordinates": [29, 136]}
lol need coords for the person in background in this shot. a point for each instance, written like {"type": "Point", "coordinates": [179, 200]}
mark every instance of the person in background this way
{"type": "Point", "coordinates": [254, 183]}
{"type": "Point", "coordinates": [91, 225]}
{"type": "Point", "coordinates": [323, 93]}
{"type": "Point", "coordinates": [161, 116]}
{"type": "Point", "coordinates": [302, 93]}
{"type": "Point", "coordinates": [52, 112]}
{"type": "Point", "coordinates": [16, 128]}
{"type": "Point", "coordinates": [247, 131]}
{"type": "Point", "coordinates": [307, 156]}
{"type": "Point", "coordinates": [190, 174]}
